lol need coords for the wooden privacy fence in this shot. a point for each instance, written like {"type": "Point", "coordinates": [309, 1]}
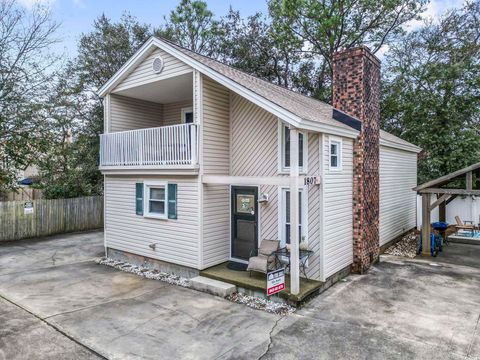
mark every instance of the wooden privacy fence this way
{"type": "Point", "coordinates": [48, 217]}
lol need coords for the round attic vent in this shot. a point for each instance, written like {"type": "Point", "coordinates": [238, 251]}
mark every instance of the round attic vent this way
{"type": "Point", "coordinates": [157, 65]}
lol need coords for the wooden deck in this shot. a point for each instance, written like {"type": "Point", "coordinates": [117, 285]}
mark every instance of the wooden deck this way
{"type": "Point", "coordinates": [258, 282]}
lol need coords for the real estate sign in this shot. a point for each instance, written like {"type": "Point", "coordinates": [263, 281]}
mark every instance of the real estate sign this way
{"type": "Point", "coordinates": [275, 281]}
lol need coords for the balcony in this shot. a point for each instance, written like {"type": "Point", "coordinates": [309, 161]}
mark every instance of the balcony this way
{"type": "Point", "coordinates": [166, 147]}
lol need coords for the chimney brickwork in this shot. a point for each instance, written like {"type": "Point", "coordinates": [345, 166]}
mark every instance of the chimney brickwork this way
{"type": "Point", "coordinates": [356, 92]}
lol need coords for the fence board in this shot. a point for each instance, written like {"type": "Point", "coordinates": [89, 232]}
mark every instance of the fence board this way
{"type": "Point", "coordinates": [50, 217]}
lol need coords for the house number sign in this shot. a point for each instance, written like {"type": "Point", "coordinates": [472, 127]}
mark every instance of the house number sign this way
{"type": "Point", "coordinates": [311, 180]}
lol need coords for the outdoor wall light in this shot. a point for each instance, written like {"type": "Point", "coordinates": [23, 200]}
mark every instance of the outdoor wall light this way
{"type": "Point", "coordinates": [263, 199]}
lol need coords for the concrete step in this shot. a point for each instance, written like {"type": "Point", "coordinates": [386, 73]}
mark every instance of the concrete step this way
{"type": "Point", "coordinates": [211, 286]}
{"type": "Point", "coordinates": [464, 240]}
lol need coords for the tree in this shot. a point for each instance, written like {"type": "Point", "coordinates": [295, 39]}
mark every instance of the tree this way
{"type": "Point", "coordinates": [325, 27]}
{"type": "Point", "coordinates": [253, 45]}
{"type": "Point", "coordinates": [192, 26]}
{"type": "Point", "coordinates": [26, 70]}
{"type": "Point", "coordinates": [431, 91]}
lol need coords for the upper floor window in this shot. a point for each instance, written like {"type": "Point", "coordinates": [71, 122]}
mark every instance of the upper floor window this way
{"type": "Point", "coordinates": [286, 146]}
{"type": "Point", "coordinates": [187, 115]}
{"type": "Point", "coordinates": [335, 155]}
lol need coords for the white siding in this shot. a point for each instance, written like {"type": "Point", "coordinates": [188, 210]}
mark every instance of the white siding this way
{"type": "Point", "coordinates": [216, 128]}
{"type": "Point", "coordinates": [254, 149]}
{"type": "Point", "coordinates": [176, 240]}
{"type": "Point", "coordinates": [216, 224]}
{"type": "Point", "coordinates": [129, 113]}
{"type": "Point", "coordinates": [172, 112]}
{"type": "Point", "coordinates": [398, 175]}
{"type": "Point", "coordinates": [338, 210]}
{"type": "Point", "coordinates": [144, 74]}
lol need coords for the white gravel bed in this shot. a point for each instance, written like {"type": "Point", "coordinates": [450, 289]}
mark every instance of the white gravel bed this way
{"type": "Point", "coordinates": [145, 272]}
{"type": "Point", "coordinates": [406, 247]}
{"type": "Point", "coordinates": [261, 304]}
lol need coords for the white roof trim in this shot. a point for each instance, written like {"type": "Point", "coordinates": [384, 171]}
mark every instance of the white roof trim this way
{"type": "Point", "coordinates": [271, 107]}
{"type": "Point", "coordinates": [395, 145]}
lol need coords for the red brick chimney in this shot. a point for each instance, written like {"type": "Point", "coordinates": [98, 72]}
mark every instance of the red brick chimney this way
{"type": "Point", "coordinates": [356, 92]}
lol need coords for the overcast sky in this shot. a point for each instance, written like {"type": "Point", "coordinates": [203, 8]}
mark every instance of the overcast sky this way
{"type": "Point", "coordinates": [77, 16]}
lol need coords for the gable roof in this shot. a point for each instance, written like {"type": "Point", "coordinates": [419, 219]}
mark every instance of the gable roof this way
{"type": "Point", "coordinates": [296, 109]}
{"type": "Point", "coordinates": [447, 178]}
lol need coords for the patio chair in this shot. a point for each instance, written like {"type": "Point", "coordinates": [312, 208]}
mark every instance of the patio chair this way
{"type": "Point", "coordinates": [263, 259]}
{"type": "Point", "coordinates": [464, 225]}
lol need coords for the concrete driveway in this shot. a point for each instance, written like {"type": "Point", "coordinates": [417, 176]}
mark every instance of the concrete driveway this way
{"type": "Point", "coordinates": [55, 302]}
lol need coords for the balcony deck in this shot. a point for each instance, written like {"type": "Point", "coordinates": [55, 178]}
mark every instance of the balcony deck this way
{"type": "Point", "coordinates": [172, 147]}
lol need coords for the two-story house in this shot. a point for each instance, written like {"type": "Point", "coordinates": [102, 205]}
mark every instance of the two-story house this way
{"type": "Point", "coordinates": [200, 162]}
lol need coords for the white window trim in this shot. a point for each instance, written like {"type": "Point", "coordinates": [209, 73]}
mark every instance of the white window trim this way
{"type": "Point", "coordinates": [184, 111]}
{"type": "Point", "coordinates": [146, 199]}
{"type": "Point", "coordinates": [339, 166]}
{"type": "Point", "coordinates": [283, 170]}
{"type": "Point", "coordinates": [281, 214]}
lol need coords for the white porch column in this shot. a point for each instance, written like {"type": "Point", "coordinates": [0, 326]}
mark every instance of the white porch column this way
{"type": "Point", "coordinates": [294, 213]}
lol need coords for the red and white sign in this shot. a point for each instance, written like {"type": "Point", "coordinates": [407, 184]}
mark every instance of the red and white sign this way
{"type": "Point", "coordinates": [275, 281]}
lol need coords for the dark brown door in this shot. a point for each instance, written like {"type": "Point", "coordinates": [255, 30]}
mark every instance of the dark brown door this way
{"type": "Point", "coordinates": [244, 221]}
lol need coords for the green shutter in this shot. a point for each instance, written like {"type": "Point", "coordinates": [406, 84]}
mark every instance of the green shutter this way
{"type": "Point", "coordinates": [139, 198]}
{"type": "Point", "coordinates": [172, 201]}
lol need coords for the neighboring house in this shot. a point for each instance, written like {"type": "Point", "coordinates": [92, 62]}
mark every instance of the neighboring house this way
{"type": "Point", "coordinates": [191, 145]}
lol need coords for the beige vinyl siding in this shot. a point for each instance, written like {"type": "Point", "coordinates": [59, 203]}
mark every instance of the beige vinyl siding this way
{"type": "Point", "coordinates": [172, 112]}
{"type": "Point", "coordinates": [338, 210]}
{"type": "Point", "coordinates": [314, 207]}
{"type": "Point", "coordinates": [254, 149]}
{"type": "Point", "coordinates": [398, 175]}
{"type": "Point", "coordinates": [144, 73]}
{"type": "Point", "coordinates": [129, 113]}
{"type": "Point", "coordinates": [216, 224]}
{"type": "Point", "coordinates": [176, 240]}
{"type": "Point", "coordinates": [216, 128]}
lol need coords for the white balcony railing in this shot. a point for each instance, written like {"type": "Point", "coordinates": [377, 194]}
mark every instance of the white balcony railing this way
{"type": "Point", "coordinates": [161, 146]}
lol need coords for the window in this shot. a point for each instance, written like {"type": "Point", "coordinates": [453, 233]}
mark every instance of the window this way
{"type": "Point", "coordinates": [302, 146]}
{"type": "Point", "coordinates": [335, 155]}
{"type": "Point", "coordinates": [156, 195]}
{"type": "Point", "coordinates": [285, 221]}
{"type": "Point", "coordinates": [187, 115]}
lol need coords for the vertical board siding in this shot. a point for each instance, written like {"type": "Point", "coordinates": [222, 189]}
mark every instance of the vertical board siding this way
{"type": "Point", "coordinates": [254, 144]}
{"type": "Point", "coordinates": [128, 113]}
{"type": "Point", "coordinates": [216, 224]}
{"type": "Point", "coordinates": [176, 240]}
{"type": "Point", "coordinates": [172, 112]}
{"type": "Point", "coordinates": [398, 176]}
{"type": "Point", "coordinates": [338, 210]}
{"type": "Point", "coordinates": [216, 128]}
{"type": "Point", "coordinates": [144, 73]}
{"type": "Point", "coordinates": [50, 217]}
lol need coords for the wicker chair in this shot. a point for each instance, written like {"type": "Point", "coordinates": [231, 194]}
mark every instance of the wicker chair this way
{"type": "Point", "coordinates": [263, 260]}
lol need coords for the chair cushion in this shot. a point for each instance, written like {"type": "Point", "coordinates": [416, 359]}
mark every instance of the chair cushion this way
{"type": "Point", "coordinates": [257, 263]}
{"type": "Point", "coordinates": [267, 247]}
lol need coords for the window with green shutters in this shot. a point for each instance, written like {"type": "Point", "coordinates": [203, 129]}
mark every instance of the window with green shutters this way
{"type": "Point", "coordinates": [156, 199]}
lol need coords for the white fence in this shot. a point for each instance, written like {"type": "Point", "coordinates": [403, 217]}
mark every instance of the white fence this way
{"type": "Point", "coordinates": [467, 207]}
{"type": "Point", "coordinates": [162, 146]}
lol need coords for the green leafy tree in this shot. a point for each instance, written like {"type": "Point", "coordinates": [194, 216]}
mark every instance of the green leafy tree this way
{"type": "Point", "coordinates": [193, 26]}
{"type": "Point", "coordinates": [431, 91]}
{"type": "Point", "coordinates": [325, 27]}
{"type": "Point", "coordinates": [26, 70]}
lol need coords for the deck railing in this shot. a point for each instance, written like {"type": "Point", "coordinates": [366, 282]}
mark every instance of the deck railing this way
{"type": "Point", "coordinates": [160, 146]}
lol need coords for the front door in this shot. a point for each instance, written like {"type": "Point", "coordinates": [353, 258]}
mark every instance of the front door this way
{"type": "Point", "coordinates": [244, 221]}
